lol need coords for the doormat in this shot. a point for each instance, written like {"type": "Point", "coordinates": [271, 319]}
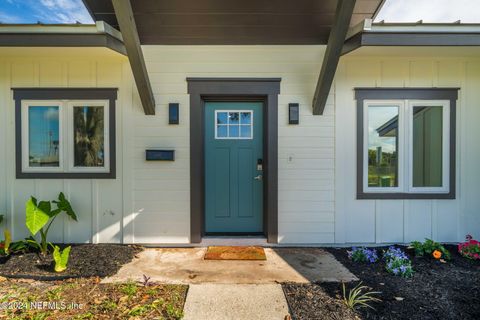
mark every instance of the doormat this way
{"type": "Point", "coordinates": [235, 253]}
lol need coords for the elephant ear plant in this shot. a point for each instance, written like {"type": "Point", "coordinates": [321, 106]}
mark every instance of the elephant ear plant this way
{"type": "Point", "coordinates": [40, 216]}
{"type": "Point", "coordinates": [61, 258]}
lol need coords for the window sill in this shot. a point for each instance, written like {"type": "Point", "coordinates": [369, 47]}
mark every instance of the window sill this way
{"type": "Point", "coordinates": [405, 196]}
{"type": "Point", "coordinates": [66, 175]}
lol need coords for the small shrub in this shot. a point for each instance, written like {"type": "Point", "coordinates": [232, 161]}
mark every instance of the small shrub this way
{"type": "Point", "coordinates": [363, 255]}
{"type": "Point", "coordinates": [40, 216]}
{"type": "Point", "coordinates": [5, 244]}
{"type": "Point", "coordinates": [397, 262]}
{"type": "Point", "coordinates": [470, 248]}
{"type": "Point", "coordinates": [61, 258]}
{"type": "Point", "coordinates": [428, 248]}
{"type": "Point", "coordinates": [356, 298]}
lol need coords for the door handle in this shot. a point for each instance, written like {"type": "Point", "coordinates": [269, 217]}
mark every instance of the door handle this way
{"type": "Point", "coordinates": [259, 177]}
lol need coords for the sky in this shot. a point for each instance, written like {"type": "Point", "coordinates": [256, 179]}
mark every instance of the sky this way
{"type": "Point", "coordinates": [45, 11]}
{"type": "Point", "coordinates": [71, 11]}
{"type": "Point", "coordinates": [430, 11]}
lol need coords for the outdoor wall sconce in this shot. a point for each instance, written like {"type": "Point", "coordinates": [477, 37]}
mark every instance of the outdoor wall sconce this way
{"type": "Point", "coordinates": [293, 113]}
{"type": "Point", "coordinates": [160, 155]}
{"type": "Point", "coordinates": [173, 114]}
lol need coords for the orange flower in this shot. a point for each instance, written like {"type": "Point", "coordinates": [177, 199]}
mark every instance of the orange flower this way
{"type": "Point", "coordinates": [437, 254]}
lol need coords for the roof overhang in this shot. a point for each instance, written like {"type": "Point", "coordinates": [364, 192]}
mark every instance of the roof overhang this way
{"type": "Point", "coordinates": [228, 22]}
{"type": "Point", "coordinates": [411, 34]}
{"type": "Point", "coordinates": [75, 35]}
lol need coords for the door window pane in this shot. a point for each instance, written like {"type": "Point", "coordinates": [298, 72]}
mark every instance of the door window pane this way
{"type": "Point", "coordinates": [427, 146]}
{"type": "Point", "coordinates": [383, 146]}
{"type": "Point", "coordinates": [222, 131]}
{"type": "Point", "coordinates": [89, 139]}
{"type": "Point", "coordinates": [233, 131]}
{"type": "Point", "coordinates": [246, 118]}
{"type": "Point", "coordinates": [222, 118]}
{"type": "Point", "coordinates": [233, 118]}
{"type": "Point", "coordinates": [233, 125]}
{"type": "Point", "coordinates": [43, 136]}
{"type": "Point", "coordinates": [245, 131]}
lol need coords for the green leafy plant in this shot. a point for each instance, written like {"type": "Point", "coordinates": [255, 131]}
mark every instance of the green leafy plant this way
{"type": "Point", "coordinates": [19, 246]}
{"type": "Point", "coordinates": [7, 241]}
{"type": "Point", "coordinates": [40, 216]}
{"type": "Point", "coordinates": [5, 244]}
{"type": "Point", "coordinates": [61, 258]}
{"type": "Point", "coordinates": [359, 297]}
{"type": "Point", "coordinates": [129, 289]}
{"type": "Point", "coordinates": [428, 247]}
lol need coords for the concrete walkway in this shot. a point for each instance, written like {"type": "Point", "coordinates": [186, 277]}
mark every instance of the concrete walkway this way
{"type": "Point", "coordinates": [186, 266]}
{"type": "Point", "coordinates": [223, 290]}
{"type": "Point", "coordinates": [235, 301]}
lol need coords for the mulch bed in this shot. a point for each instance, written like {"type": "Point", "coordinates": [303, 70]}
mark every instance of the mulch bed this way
{"type": "Point", "coordinates": [437, 291]}
{"type": "Point", "coordinates": [86, 260]}
{"type": "Point", "coordinates": [86, 298]}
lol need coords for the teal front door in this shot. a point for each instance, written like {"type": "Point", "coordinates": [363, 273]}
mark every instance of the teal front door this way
{"type": "Point", "coordinates": [233, 167]}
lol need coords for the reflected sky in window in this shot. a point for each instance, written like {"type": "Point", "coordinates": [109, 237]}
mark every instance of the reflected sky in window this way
{"type": "Point", "coordinates": [44, 135]}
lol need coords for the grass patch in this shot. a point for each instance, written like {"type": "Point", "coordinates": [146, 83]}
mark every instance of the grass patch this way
{"type": "Point", "coordinates": [89, 299]}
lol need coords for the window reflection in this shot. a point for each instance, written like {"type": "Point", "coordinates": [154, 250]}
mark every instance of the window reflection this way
{"type": "Point", "coordinates": [383, 146]}
{"type": "Point", "coordinates": [43, 136]}
{"type": "Point", "coordinates": [89, 144]}
{"type": "Point", "coordinates": [234, 125]}
{"type": "Point", "coordinates": [427, 146]}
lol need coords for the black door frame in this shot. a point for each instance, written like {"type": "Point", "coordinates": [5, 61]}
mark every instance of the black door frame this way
{"type": "Point", "coordinates": [202, 90]}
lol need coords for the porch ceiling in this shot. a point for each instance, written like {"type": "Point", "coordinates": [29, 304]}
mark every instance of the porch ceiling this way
{"type": "Point", "coordinates": [209, 22]}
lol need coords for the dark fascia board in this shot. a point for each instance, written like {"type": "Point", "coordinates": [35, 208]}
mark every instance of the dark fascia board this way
{"type": "Point", "coordinates": [234, 86]}
{"type": "Point", "coordinates": [61, 40]}
{"type": "Point", "coordinates": [126, 20]}
{"type": "Point", "coordinates": [410, 39]}
{"type": "Point", "coordinates": [336, 40]}
{"type": "Point", "coordinates": [109, 94]}
{"type": "Point", "coordinates": [362, 94]}
{"type": "Point", "coordinates": [435, 93]}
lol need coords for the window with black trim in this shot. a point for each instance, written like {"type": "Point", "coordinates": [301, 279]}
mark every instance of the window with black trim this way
{"type": "Point", "coordinates": [406, 143]}
{"type": "Point", "coordinates": [65, 133]}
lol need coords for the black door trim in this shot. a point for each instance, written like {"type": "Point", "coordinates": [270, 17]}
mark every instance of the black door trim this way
{"type": "Point", "coordinates": [233, 89]}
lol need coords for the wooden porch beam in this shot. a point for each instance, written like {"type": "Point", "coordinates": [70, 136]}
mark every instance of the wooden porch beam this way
{"type": "Point", "coordinates": [336, 39]}
{"type": "Point", "coordinates": [126, 21]}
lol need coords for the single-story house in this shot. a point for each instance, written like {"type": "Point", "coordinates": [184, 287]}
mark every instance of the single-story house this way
{"type": "Point", "coordinates": [299, 122]}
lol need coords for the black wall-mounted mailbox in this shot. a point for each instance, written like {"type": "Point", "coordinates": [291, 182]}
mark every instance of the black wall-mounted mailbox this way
{"type": "Point", "coordinates": [293, 113]}
{"type": "Point", "coordinates": [173, 113]}
{"type": "Point", "coordinates": [160, 155]}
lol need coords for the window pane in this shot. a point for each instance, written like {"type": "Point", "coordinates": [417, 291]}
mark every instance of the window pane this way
{"type": "Point", "coordinates": [427, 146]}
{"type": "Point", "coordinates": [383, 146]}
{"type": "Point", "coordinates": [245, 131]}
{"type": "Point", "coordinates": [89, 140]}
{"type": "Point", "coordinates": [233, 131]}
{"type": "Point", "coordinates": [222, 118]}
{"type": "Point", "coordinates": [246, 117]}
{"type": "Point", "coordinates": [222, 131]}
{"type": "Point", "coordinates": [233, 117]}
{"type": "Point", "coordinates": [43, 136]}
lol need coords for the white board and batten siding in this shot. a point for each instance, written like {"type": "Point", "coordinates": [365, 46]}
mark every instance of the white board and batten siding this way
{"type": "Point", "coordinates": [149, 202]}
{"type": "Point", "coordinates": [397, 221]}
{"type": "Point", "coordinates": [98, 203]}
{"type": "Point", "coordinates": [306, 151]}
